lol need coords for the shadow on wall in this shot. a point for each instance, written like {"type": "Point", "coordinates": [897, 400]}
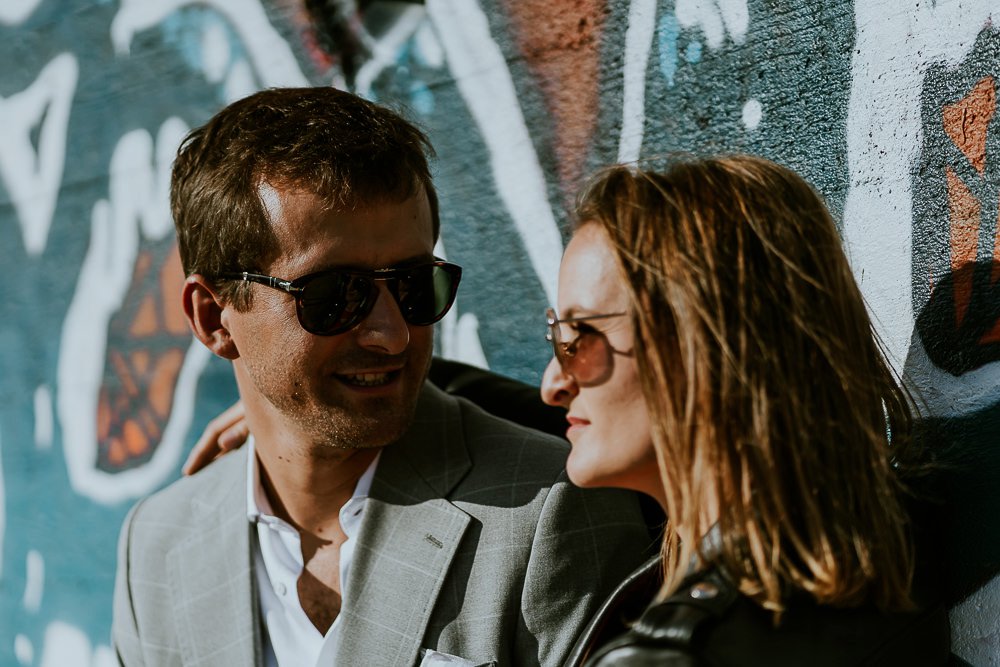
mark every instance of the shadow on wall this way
{"type": "Point", "coordinates": [952, 364]}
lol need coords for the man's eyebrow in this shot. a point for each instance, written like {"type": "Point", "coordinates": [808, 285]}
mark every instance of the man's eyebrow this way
{"type": "Point", "coordinates": [415, 260]}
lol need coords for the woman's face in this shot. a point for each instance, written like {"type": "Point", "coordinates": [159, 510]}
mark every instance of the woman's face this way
{"type": "Point", "coordinates": [599, 386]}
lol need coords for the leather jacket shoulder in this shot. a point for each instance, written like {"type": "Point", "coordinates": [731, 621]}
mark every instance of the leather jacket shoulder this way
{"type": "Point", "coordinates": [707, 621]}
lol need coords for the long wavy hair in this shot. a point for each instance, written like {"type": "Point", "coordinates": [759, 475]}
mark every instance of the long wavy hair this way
{"type": "Point", "coordinates": [769, 395]}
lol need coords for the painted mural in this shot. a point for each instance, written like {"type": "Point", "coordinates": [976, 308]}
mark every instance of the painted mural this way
{"type": "Point", "coordinates": [888, 108]}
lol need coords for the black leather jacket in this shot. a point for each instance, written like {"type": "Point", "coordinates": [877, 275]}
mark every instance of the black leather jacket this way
{"type": "Point", "coordinates": [708, 622]}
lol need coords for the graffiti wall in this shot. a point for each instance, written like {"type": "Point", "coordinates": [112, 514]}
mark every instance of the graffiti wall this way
{"type": "Point", "coordinates": [888, 108]}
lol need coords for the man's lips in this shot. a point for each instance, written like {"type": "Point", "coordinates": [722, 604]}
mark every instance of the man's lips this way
{"type": "Point", "coordinates": [369, 377]}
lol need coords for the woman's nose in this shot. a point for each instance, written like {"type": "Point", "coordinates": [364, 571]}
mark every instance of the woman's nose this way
{"type": "Point", "coordinates": [558, 387]}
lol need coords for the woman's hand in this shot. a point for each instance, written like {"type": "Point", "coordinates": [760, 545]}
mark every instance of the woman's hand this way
{"type": "Point", "coordinates": [223, 434]}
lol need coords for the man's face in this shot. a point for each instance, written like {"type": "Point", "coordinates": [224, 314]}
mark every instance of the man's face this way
{"type": "Point", "coordinates": [357, 389]}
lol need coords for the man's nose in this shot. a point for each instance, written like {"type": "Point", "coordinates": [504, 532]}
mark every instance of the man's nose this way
{"type": "Point", "coordinates": [558, 387]}
{"type": "Point", "coordinates": [384, 328]}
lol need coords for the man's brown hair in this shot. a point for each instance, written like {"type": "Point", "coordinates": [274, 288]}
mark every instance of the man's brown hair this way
{"type": "Point", "coordinates": [346, 150]}
{"type": "Point", "coordinates": [769, 397]}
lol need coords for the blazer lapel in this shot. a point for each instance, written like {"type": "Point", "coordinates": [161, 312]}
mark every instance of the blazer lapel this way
{"type": "Point", "coordinates": [408, 538]}
{"type": "Point", "coordinates": [215, 602]}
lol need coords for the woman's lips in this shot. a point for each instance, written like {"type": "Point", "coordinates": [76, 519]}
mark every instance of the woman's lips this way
{"type": "Point", "coordinates": [575, 425]}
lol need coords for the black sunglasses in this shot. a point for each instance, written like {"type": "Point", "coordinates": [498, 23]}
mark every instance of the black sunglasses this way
{"type": "Point", "coordinates": [332, 302]}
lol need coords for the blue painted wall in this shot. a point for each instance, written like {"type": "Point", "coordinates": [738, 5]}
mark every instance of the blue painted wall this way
{"type": "Point", "coordinates": [888, 108]}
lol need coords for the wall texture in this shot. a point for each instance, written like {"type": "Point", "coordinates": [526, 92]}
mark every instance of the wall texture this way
{"type": "Point", "coordinates": [888, 107]}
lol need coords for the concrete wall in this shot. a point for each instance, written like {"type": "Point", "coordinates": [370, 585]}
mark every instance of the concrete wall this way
{"type": "Point", "coordinates": [887, 107]}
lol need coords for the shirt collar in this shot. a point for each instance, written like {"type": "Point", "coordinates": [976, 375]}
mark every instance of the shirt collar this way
{"type": "Point", "coordinates": [259, 506]}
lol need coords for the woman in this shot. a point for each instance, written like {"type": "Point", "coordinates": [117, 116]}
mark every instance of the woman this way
{"type": "Point", "coordinates": [713, 351]}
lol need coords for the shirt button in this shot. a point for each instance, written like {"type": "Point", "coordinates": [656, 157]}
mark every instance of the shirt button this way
{"type": "Point", "coordinates": [281, 589]}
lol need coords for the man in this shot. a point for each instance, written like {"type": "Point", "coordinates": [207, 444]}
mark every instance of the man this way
{"type": "Point", "coordinates": [373, 520]}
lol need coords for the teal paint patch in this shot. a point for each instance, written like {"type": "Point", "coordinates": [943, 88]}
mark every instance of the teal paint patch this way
{"type": "Point", "coordinates": [184, 29]}
{"type": "Point", "coordinates": [667, 33]}
{"type": "Point", "coordinates": [421, 98]}
{"type": "Point", "coordinates": [692, 53]}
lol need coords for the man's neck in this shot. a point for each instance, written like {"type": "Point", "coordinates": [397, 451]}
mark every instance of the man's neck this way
{"type": "Point", "coordinates": [308, 490]}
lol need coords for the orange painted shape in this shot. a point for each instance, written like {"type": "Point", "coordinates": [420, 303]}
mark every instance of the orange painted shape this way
{"type": "Point", "coordinates": [116, 451]}
{"type": "Point", "coordinates": [136, 442]}
{"type": "Point", "coordinates": [124, 373]}
{"type": "Point", "coordinates": [171, 284]}
{"type": "Point", "coordinates": [163, 380]}
{"type": "Point", "coordinates": [140, 362]}
{"type": "Point", "coordinates": [103, 415]}
{"type": "Point", "coordinates": [967, 120]}
{"type": "Point", "coordinates": [144, 323]}
{"type": "Point", "coordinates": [150, 424]}
{"type": "Point", "coordinates": [964, 237]}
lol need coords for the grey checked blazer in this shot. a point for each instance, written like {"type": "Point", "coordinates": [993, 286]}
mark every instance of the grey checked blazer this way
{"type": "Point", "coordinates": [473, 544]}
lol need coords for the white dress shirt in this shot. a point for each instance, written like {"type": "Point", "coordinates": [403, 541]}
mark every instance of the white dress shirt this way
{"type": "Point", "coordinates": [291, 639]}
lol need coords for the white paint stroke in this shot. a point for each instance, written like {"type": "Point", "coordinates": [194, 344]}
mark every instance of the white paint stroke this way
{"type": "Point", "coordinates": [104, 657]}
{"type": "Point", "coordinates": [486, 85]}
{"type": "Point", "coordinates": [240, 81]}
{"type": "Point", "coordinates": [64, 645]}
{"type": "Point", "coordinates": [460, 333]}
{"type": "Point", "coordinates": [14, 12]}
{"type": "Point", "coordinates": [428, 48]}
{"type": "Point", "coordinates": [271, 56]}
{"type": "Point", "coordinates": [716, 18]}
{"type": "Point", "coordinates": [216, 52]}
{"type": "Point", "coordinates": [385, 50]}
{"type": "Point", "coordinates": [895, 44]}
{"type": "Point", "coordinates": [43, 418]}
{"type": "Point", "coordinates": [34, 586]}
{"type": "Point", "coordinates": [752, 114]}
{"type": "Point", "coordinates": [638, 42]}
{"type": "Point", "coordinates": [33, 178]}
{"type": "Point", "coordinates": [138, 201]}
{"type": "Point", "coordinates": [23, 650]}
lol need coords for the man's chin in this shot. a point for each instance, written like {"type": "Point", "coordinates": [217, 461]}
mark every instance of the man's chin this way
{"type": "Point", "coordinates": [370, 429]}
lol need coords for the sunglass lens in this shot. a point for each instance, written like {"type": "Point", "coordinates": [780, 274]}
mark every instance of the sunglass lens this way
{"type": "Point", "coordinates": [591, 357]}
{"type": "Point", "coordinates": [334, 302]}
{"type": "Point", "coordinates": [426, 293]}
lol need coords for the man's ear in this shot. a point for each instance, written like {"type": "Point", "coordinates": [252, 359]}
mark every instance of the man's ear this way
{"type": "Point", "coordinates": [203, 308]}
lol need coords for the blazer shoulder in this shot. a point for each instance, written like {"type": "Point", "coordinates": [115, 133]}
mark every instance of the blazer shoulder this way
{"type": "Point", "coordinates": [223, 479]}
{"type": "Point", "coordinates": [483, 430]}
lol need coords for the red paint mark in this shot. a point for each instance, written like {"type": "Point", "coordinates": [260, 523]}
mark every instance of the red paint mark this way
{"type": "Point", "coordinates": [963, 237]}
{"type": "Point", "coordinates": [560, 42]}
{"type": "Point", "coordinates": [967, 120]}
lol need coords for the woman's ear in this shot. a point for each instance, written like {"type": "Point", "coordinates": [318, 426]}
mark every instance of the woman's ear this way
{"type": "Point", "coordinates": [203, 308]}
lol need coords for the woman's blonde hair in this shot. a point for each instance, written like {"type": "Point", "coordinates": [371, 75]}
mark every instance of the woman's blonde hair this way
{"type": "Point", "coordinates": [767, 389]}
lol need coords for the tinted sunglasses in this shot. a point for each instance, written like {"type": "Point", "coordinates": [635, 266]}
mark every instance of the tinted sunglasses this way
{"type": "Point", "coordinates": [334, 301]}
{"type": "Point", "coordinates": [588, 356]}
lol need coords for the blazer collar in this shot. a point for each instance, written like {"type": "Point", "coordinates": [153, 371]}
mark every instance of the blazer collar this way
{"type": "Point", "coordinates": [408, 537]}
{"type": "Point", "coordinates": [431, 458]}
{"type": "Point", "coordinates": [210, 574]}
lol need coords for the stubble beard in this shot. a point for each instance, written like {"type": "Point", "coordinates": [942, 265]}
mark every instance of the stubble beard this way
{"type": "Point", "coordinates": [383, 422]}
